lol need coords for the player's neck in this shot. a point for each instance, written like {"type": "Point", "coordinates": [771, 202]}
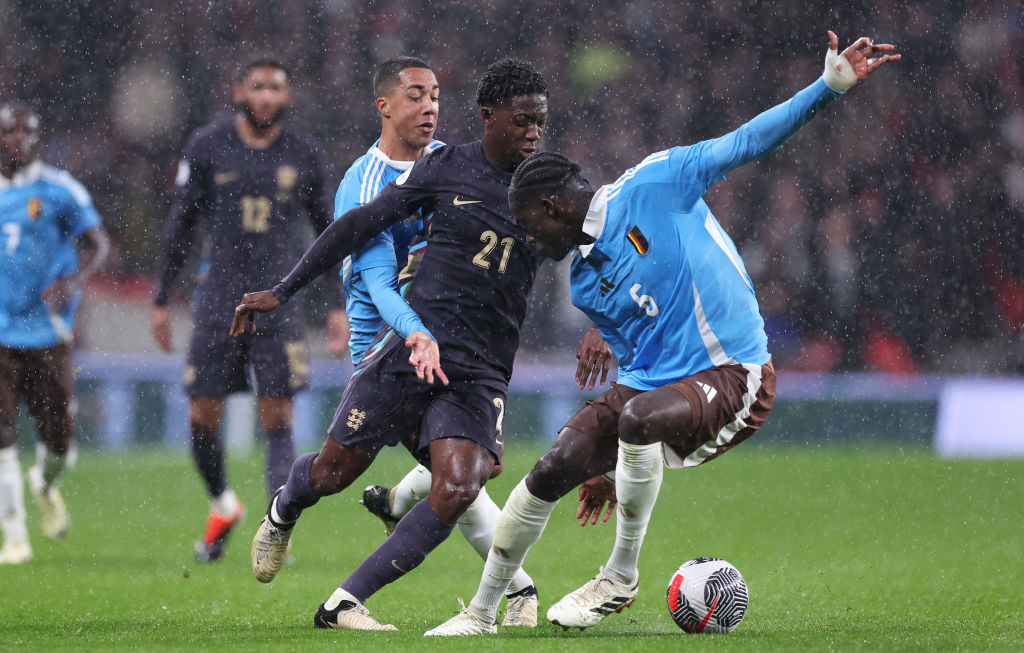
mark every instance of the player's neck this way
{"type": "Point", "coordinates": [254, 137]}
{"type": "Point", "coordinates": [8, 170]}
{"type": "Point", "coordinates": [397, 150]}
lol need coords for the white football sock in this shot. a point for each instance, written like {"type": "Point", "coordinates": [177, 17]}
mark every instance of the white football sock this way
{"type": "Point", "coordinates": [637, 481]}
{"type": "Point", "coordinates": [477, 526]}
{"type": "Point", "coordinates": [226, 504]}
{"type": "Point", "coordinates": [12, 496]}
{"type": "Point", "coordinates": [339, 596]}
{"type": "Point", "coordinates": [519, 527]}
{"type": "Point", "coordinates": [51, 464]}
{"type": "Point", "coordinates": [411, 490]}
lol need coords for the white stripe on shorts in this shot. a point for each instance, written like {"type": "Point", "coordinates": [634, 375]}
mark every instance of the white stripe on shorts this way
{"type": "Point", "coordinates": [726, 435]}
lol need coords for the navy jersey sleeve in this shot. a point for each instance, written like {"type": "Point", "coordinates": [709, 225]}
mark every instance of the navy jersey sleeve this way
{"type": "Point", "coordinates": [321, 214]}
{"type": "Point", "coordinates": [407, 194]}
{"type": "Point", "coordinates": [190, 200]}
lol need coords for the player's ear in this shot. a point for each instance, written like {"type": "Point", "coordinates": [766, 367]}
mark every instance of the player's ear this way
{"type": "Point", "coordinates": [487, 115]}
{"type": "Point", "coordinates": [549, 206]}
{"type": "Point", "coordinates": [238, 93]}
{"type": "Point", "coordinates": [384, 107]}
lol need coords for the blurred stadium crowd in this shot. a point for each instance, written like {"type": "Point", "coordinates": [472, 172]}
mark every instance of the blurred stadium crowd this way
{"type": "Point", "coordinates": [885, 236]}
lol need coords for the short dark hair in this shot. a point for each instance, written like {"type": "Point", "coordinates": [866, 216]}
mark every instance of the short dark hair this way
{"type": "Point", "coordinates": [541, 175]}
{"type": "Point", "coordinates": [386, 76]}
{"type": "Point", "coordinates": [507, 79]}
{"type": "Point", "coordinates": [261, 61]}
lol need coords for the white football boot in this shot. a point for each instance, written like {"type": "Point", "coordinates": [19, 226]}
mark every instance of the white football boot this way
{"type": "Point", "coordinates": [15, 552]}
{"type": "Point", "coordinates": [590, 604]}
{"type": "Point", "coordinates": [54, 520]}
{"type": "Point", "coordinates": [521, 608]}
{"type": "Point", "coordinates": [466, 622]}
{"type": "Point", "coordinates": [346, 612]}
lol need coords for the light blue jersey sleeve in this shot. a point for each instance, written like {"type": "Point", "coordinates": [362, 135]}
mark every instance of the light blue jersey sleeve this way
{"type": "Point", "coordinates": [382, 284]}
{"type": "Point", "coordinates": [376, 262]}
{"type": "Point", "coordinates": [695, 168]}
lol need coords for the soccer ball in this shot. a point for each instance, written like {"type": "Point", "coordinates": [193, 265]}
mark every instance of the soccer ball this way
{"type": "Point", "coordinates": [707, 595]}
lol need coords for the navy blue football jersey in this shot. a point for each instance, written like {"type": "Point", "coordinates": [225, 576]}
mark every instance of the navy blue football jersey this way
{"type": "Point", "coordinates": [471, 285]}
{"type": "Point", "coordinates": [251, 202]}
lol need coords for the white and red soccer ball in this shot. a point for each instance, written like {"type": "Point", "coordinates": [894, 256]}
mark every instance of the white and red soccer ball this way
{"type": "Point", "coordinates": [707, 595]}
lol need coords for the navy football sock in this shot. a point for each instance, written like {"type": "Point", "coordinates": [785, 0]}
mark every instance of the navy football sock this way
{"type": "Point", "coordinates": [208, 452]}
{"type": "Point", "coordinates": [280, 456]}
{"type": "Point", "coordinates": [419, 532]}
{"type": "Point", "coordinates": [298, 493]}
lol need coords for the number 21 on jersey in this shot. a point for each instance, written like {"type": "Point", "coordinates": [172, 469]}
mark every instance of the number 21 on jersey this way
{"type": "Point", "coordinates": [490, 241]}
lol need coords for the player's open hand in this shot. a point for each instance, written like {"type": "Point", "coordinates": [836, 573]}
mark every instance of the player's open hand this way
{"type": "Point", "coordinates": [595, 357]}
{"type": "Point", "coordinates": [593, 495]}
{"type": "Point", "coordinates": [856, 62]}
{"type": "Point", "coordinates": [338, 332]}
{"type": "Point", "coordinates": [252, 303]}
{"type": "Point", "coordinates": [425, 357]}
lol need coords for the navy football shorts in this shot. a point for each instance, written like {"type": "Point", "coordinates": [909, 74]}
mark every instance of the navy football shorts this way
{"type": "Point", "coordinates": [273, 363]}
{"type": "Point", "coordinates": [384, 405]}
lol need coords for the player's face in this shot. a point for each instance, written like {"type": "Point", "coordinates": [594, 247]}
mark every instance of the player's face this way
{"type": "Point", "coordinates": [19, 136]}
{"type": "Point", "coordinates": [263, 95]}
{"type": "Point", "coordinates": [515, 130]}
{"type": "Point", "coordinates": [412, 107]}
{"type": "Point", "coordinates": [548, 231]}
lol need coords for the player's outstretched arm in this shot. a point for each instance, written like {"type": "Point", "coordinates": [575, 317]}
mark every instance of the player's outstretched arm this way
{"type": "Point", "coordinates": [769, 130]}
{"type": "Point", "coordinates": [343, 237]}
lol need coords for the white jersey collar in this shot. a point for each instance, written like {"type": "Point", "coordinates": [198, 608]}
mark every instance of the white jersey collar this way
{"type": "Point", "coordinates": [593, 224]}
{"type": "Point", "coordinates": [398, 165]}
{"type": "Point", "coordinates": [23, 176]}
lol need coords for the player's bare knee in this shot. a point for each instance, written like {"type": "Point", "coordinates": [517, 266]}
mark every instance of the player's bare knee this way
{"type": "Point", "coordinates": [634, 425]}
{"type": "Point", "coordinates": [456, 494]}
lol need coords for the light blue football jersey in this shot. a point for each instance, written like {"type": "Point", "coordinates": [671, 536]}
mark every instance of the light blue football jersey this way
{"type": "Point", "coordinates": [43, 211]}
{"type": "Point", "coordinates": [663, 281]}
{"type": "Point", "coordinates": [362, 182]}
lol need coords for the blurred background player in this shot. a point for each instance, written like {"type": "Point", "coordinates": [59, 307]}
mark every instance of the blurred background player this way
{"type": "Point", "coordinates": [407, 94]}
{"type": "Point", "coordinates": [471, 291]}
{"type": "Point", "coordinates": [249, 177]}
{"type": "Point", "coordinates": [51, 241]}
{"type": "Point", "coordinates": [669, 293]}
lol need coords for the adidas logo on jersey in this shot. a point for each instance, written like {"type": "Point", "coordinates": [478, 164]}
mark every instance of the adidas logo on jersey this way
{"type": "Point", "coordinates": [708, 390]}
{"type": "Point", "coordinates": [606, 286]}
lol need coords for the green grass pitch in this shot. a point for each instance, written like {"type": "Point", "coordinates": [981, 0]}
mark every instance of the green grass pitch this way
{"type": "Point", "coordinates": [843, 548]}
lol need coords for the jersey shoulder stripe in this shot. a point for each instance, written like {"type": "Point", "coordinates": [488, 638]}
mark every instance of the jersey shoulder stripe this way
{"type": "Point", "coordinates": [367, 189]}
{"type": "Point", "coordinates": [63, 179]}
{"type": "Point", "coordinates": [614, 188]}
